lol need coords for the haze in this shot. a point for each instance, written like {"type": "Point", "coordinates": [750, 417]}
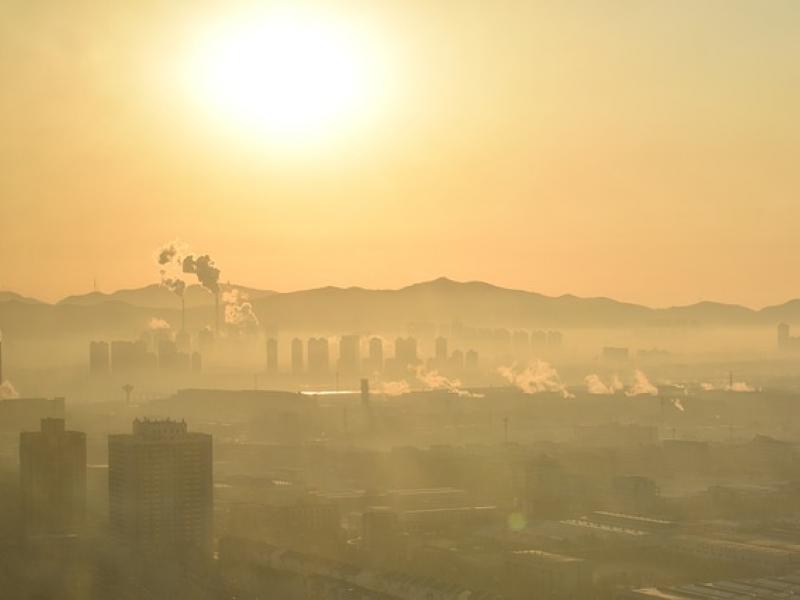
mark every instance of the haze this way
{"type": "Point", "coordinates": [652, 143]}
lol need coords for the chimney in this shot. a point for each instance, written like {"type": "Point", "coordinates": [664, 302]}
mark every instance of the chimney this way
{"type": "Point", "coordinates": [365, 392]}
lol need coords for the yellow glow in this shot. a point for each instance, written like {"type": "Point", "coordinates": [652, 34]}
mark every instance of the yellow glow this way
{"type": "Point", "coordinates": [286, 76]}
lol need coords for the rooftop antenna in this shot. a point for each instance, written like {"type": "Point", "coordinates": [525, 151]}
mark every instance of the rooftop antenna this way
{"type": "Point", "coordinates": [94, 284]}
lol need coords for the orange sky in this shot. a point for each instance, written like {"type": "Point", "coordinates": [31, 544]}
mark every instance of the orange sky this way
{"type": "Point", "coordinates": [646, 151]}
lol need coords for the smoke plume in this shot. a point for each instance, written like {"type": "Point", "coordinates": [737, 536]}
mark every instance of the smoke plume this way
{"type": "Point", "coordinates": [395, 388]}
{"type": "Point", "coordinates": [170, 266]}
{"type": "Point", "coordinates": [739, 386]}
{"type": "Point", "coordinates": [736, 386]}
{"type": "Point", "coordinates": [641, 386]}
{"type": "Point", "coordinates": [7, 390]}
{"type": "Point", "coordinates": [595, 385]}
{"type": "Point", "coordinates": [433, 380]}
{"type": "Point", "coordinates": [204, 268]}
{"type": "Point", "coordinates": [156, 324]}
{"type": "Point", "coordinates": [676, 402]}
{"type": "Point", "coordinates": [537, 376]}
{"type": "Point", "coordinates": [238, 311]}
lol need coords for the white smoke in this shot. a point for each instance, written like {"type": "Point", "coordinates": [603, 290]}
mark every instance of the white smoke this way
{"type": "Point", "coordinates": [736, 386]}
{"type": "Point", "coordinates": [535, 377]}
{"type": "Point", "coordinates": [7, 390]}
{"type": "Point", "coordinates": [595, 385]}
{"type": "Point", "coordinates": [676, 402]}
{"type": "Point", "coordinates": [739, 386]}
{"type": "Point", "coordinates": [433, 380]}
{"type": "Point", "coordinates": [156, 324]}
{"type": "Point", "coordinates": [238, 311]}
{"type": "Point", "coordinates": [641, 386]}
{"type": "Point", "coordinates": [394, 388]}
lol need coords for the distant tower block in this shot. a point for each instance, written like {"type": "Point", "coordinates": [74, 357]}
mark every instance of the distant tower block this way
{"type": "Point", "coordinates": [99, 358]}
{"type": "Point", "coordinates": [297, 357]}
{"type": "Point", "coordinates": [441, 351]}
{"type": "Point", "coordinates": [349, 354]}
{"type": "Point", "coordinates": [272, 355]}
{"type": "Point", "coordinates": [376, 355]}
{"type": "Point", "coordinates": [318, 356]}
{"type": "Point", "coordinates": [471, 361]}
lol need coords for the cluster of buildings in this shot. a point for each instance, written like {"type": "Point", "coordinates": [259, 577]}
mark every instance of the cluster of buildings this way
{"type": "Point", "coordinates": [356, 357]}
{"type": "Point", "coordinates": [126, 356]}
{"type": "Point", "coordinates": [160, 489]}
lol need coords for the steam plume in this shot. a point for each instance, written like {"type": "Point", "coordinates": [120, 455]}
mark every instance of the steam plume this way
{"type": "Point", "coordinates": [238, 311]}
{"type": "Point", "coordinates": [736, 386]}
{"type": "Point", "coordinates": [641, 386]}
{"type": "Point", "coordinates": [740, 386]}
{"type": "Point", "coordinates": [156, 324]}
{"type": "Point", "coordinates": [395, 388]}
{"type": "Point", "coordinates": [433, 380]}
{"type": "Point", "coordinates": [7, 390]}
{"type": "Point", "coordinates": [595, 385]}
{"type": "Point", "coordinates": [537, 376]}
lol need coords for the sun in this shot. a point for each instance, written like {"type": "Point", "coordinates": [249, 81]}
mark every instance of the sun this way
{"type": "Point", "coordinates": [286, 76]}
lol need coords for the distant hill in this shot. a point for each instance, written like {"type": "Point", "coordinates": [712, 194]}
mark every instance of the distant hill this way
{"type": "Point", "coordinates": [334, 309]}
{"type": "Point", "coordinates": [156, 296]}
{"type": "Point", "coordinates": [7, 296]}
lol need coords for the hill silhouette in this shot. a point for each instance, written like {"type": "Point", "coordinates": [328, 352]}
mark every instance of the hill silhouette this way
{"type": "Point", "coordinates": [337, 309]}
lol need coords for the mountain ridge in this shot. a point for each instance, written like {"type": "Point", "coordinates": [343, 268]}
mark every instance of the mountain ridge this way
{"type": "Point", "coordinates": [332, 308]}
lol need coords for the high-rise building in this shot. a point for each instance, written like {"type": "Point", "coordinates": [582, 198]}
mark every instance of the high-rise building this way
{"type": "Point", "coordinates": [521, 342]}
{"type": "Point", "coordinates": [456, 360]}
{"type": "Point", "coordinates": [376, 355]}
{"type": "Point", "coordinates": [197, 361]}
{"type": "Point", "coordinates": [297, 356]}
{"type": "Point", "coordinates": [52, 478]}
{"type": "Point", "coordinates": [318, 358]}
{"type": "Point", "coordinates": [471, 361]}
{"type": "Point", "coordinates": [99, 362]}
{"type": "Point", "coordinates": [160, 488]}
{"type": "Point", "coordinates": [405, 351]}
{"type": "Point", "coordinates": [538, 339]}
{"type": "Point", "coordinates": [554, 338]}
{"type": "Point", "coordinates": [349, 354]}
{"type": "Point", "coordinates": [128, 355]}
{"type": "Point", "coordinates": [183, 341]}
{"type": "Point", "coordinates": [272, 355]}
{"type": "Point", "coordinates": [441, 351]}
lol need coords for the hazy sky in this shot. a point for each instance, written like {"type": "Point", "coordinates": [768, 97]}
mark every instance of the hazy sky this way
{"type": "Point", "coordinates": [645, 150]}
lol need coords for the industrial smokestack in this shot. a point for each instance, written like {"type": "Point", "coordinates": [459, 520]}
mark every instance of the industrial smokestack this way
{"type": "Point", "coordinates": [216, 310]}
{"type": "Point", "coordinates": [365, 392]}
{"type": "Point", "coordinates": [183, 314]}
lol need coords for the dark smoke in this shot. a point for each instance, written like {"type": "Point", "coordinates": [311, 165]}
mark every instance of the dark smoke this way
{"type": "Point", "coordinates": [205, 269]}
